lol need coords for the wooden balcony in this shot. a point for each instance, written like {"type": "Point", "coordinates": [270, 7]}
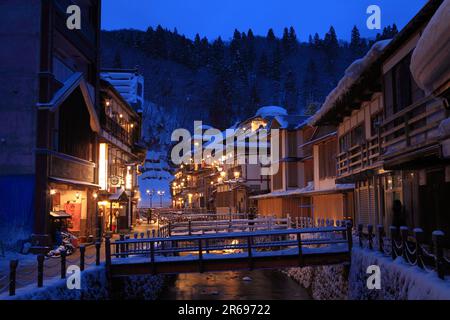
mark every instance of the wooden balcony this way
{"type": "Point", "coordinates": [117, 131]}
{"type": "Point", "coordinates": [359, 158]}
{"type": "Point", "coordinates": [412, 130]}
{"type": "Point", "coordinates": [66, 167]}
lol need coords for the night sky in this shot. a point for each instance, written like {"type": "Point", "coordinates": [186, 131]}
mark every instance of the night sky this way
{"type": "Point", "coordinates": [212, 18]}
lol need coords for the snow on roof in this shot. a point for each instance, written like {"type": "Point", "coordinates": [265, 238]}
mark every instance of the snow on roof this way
{"type": "Point", "coordinates": [290, 121]}
{"type": "Point", "coordinates": [271, 111]}
{"type": "Point", "coordinates": [352, 74]}
{"type": "Point", "coordinates": [430, 62]}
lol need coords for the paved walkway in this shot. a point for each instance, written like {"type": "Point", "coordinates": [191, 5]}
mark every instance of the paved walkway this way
{"type": "Point", "coordinates": [27, 268]}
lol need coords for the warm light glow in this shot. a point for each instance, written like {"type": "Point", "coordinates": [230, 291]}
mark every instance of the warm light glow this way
{"type": "Point", "coordinates": [237, 174]}
{"type": "Point", "coordinates": [77, 195]}
{"type": "Point", "coordinates": [95, 195]}
{"type": "Point", "coordinates": [223, 174]}
{"type": "Point", "coordinates": [103, 166]}
{"type": "Point", "coordinates": [52, 192]}
{"type": "Point", "coordinates": [129, 179]}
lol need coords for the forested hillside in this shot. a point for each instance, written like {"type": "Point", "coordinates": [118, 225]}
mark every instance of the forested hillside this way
{"type": "Point", "coordinates": [221, 82]}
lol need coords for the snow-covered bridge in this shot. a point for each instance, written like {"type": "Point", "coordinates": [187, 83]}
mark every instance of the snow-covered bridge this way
{"type": "Point", "coordinates": [229, 251]}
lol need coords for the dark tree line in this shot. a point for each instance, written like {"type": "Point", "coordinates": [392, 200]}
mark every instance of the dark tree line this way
{"type": "Point", "coordinates": [246, 72]}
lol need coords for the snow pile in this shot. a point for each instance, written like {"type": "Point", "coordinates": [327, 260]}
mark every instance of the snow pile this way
{"type": "Point", "coordinates": [156, 177]}
{"type": "Point", "coordinates": [271, 111]}
{"type": "Point", "coordinates": [430, 62]}
{"type": "Point", "coordinates": [93, 287]}
{"type": "Point", "coordinates": [352, 74]}
{"type": "Point", "coordinates": [399, 281]}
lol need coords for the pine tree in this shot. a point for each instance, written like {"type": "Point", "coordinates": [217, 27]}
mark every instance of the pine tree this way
{"type": "Point", "coordinates": [330, 41]}
{"type": "Point", "coordinates": [117, 62]}
{"type": "Point", "coordinates": [236, 42]}
{"type": "Point", "coordinates": [250, 35]}
{"type": "Point", "coordinates": [275, 72]}
{"type": "Point", "coordinates": [290, 93]}
{"type": "Point", "coordinates": [217, 54]}
{"type": "Point", "coordinates": [317, 40]}
{"type": "Point", "coordinates": [263, 65]}
{"type": "Point", "coordinates": [271, 36]}
{"type": "Point", "coordinates": [285, 41]}
{"type": "Point", "coordinates": [293, 39]}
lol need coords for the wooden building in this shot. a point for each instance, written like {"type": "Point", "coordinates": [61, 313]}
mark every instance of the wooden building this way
{"type": "Point", "coordinates": [120, 156]}
{"type": "Point", "coordinates": [390, 132]}
{"type": "Point", "coordinates": [295, 174]}
{"type": "Point", "coordinates": [49, 119]}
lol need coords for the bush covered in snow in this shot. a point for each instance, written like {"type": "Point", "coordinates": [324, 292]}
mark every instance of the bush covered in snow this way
{"type": "Point", "coordinates": [324, 282]}
{"type": "Point", "coordinates": [399, 281]}
{"type": "Point", "coordinates": [94, 286]}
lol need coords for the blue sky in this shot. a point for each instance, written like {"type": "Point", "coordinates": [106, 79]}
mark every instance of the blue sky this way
{"type": "Point", "coordinates": [212, 18]}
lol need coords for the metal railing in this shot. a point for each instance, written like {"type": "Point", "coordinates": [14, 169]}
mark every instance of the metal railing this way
{"type": "Point", "coordinates": [46, 267]}
{"type": "Point", "coordinates": [410, 246]}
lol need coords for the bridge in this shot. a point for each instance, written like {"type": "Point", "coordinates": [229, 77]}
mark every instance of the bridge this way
{"type": "Point", "coordinates": [269, 249]}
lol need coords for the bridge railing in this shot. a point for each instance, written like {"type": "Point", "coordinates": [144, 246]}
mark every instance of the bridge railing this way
{"type": "Point", "coordinates": [194, 227]}
{"type": "Point", "coordinates": [248, 244]}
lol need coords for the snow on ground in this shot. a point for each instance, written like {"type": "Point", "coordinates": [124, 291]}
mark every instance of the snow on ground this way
{"type": "Point", "coordinates": [352, 74]}
{"type": "Point", "coordinates": [399, 281]}
{"type": "Point", "coordinates": [156, 177]}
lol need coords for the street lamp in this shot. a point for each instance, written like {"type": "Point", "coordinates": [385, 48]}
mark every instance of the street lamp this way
{"type": "Point", "coordinates": [161, 194]}
{"type": "Point", "coordinates": [150, 194]}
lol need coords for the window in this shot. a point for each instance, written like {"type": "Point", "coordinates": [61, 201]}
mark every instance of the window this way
{"type": "Point", "coordinates": [327, 159]}
{"type": "Point", "coordinates": [358, 135]}
{"type": "Point", "coordinates": [400, 89]}
{"type": "Point", "coordinates": [375, 122]}
{"type": "Point", "coordinates": [344, 142]}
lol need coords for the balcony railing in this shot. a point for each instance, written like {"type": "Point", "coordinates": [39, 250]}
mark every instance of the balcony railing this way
{"type": "Point", "coordinates": [359, 158]}
{"type": "Point", "coordinates": [117, 131]}
{"type": "Point", "coordinates": [413, 127]}
{"type": "Point", "coordinates": [68, 167]}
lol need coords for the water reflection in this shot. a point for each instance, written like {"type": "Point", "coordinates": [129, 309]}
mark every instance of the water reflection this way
{"type": "Point", "coordinates": [235, 285]}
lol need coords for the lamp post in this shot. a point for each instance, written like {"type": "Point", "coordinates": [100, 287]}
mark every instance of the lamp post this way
{"type": "Point", "coordinates": [150, 194]}
{"type": "Point", "coordinates": [161, 194]}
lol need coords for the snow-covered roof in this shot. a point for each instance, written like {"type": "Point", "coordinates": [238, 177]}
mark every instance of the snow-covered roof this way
{"type": "Point", "coordinates": [271, 111]}
{"type": "Point", "coordinates": [430, 62]}
{"type": "Point", "coordinates": [351, 76]}
{"type": "Point", "coordinates": [290, 122]}
{"type": "Point", "coordinates": [306, 191]}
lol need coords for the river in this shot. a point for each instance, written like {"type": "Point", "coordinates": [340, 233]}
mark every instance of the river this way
{"type": "Point", "coordinates": [234, 285]}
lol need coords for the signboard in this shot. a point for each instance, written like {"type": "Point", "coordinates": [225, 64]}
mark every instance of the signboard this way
{"type": "Point", "coordinates": [74, 209]}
